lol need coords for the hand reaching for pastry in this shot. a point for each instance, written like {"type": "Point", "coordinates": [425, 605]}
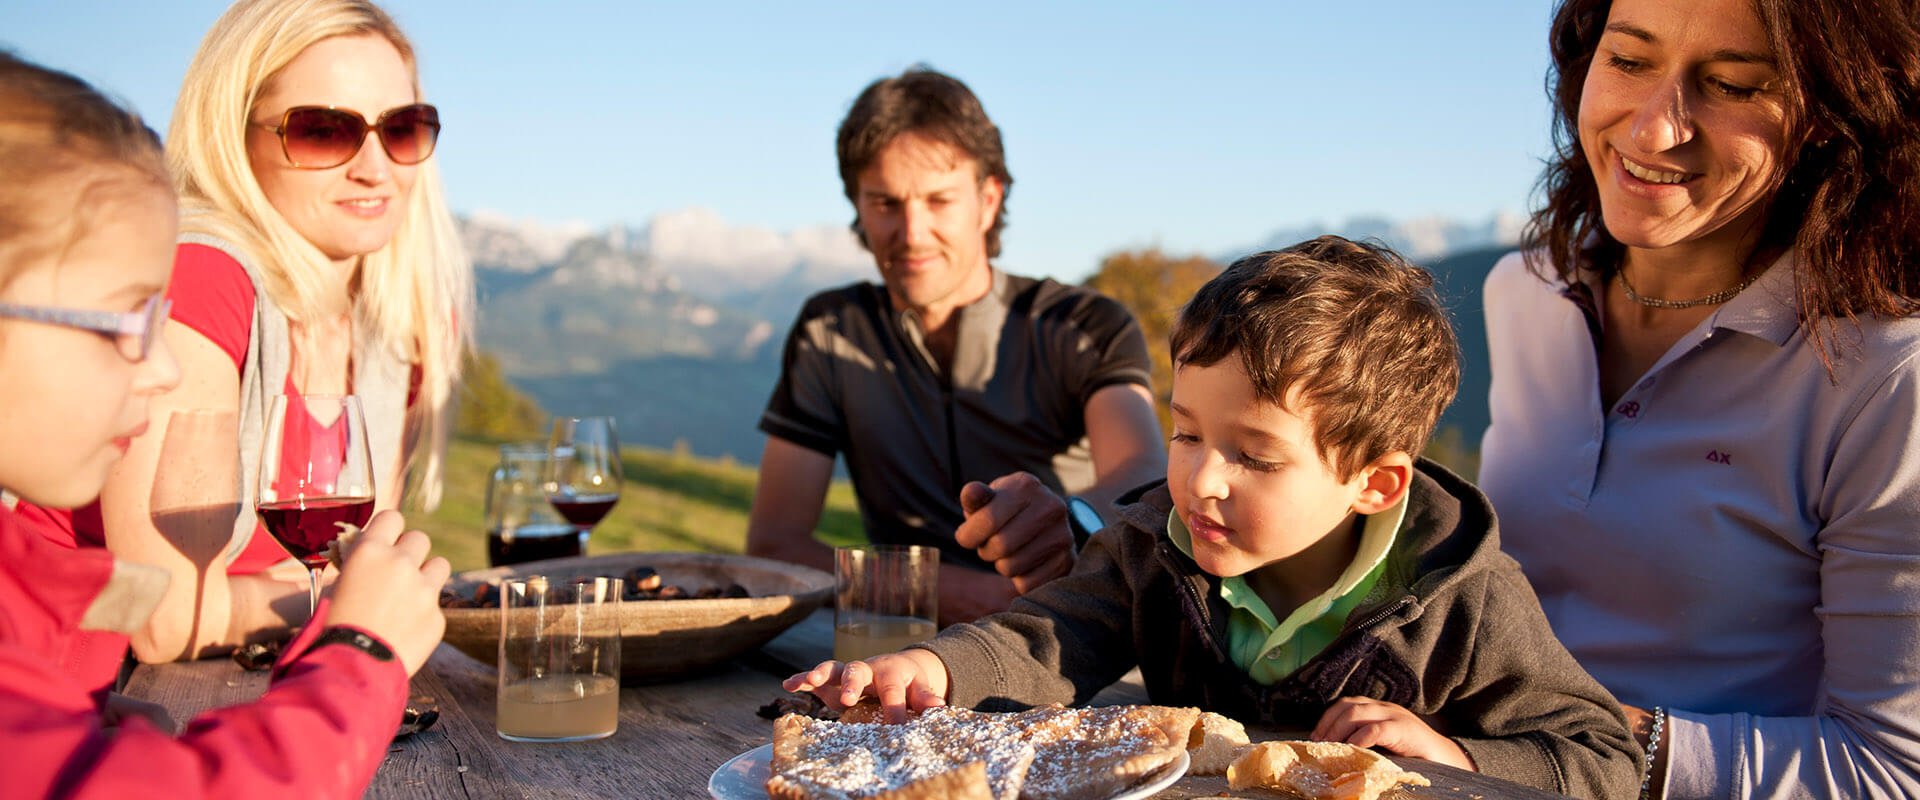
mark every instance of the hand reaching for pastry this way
{"type": "Point", "coordinates": [1366, 722]}
{"type": "Point", "coordinates": [910, 680]}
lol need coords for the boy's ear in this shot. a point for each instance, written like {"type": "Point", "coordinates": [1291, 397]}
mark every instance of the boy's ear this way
{"type": "Point", "coordinates": [1384, 482]}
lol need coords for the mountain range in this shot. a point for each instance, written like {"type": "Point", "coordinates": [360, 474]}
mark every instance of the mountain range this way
{"type": "Point", "coordinates": [674, 326]}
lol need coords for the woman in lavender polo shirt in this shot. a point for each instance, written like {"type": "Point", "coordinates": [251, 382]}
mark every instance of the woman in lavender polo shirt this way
{"type": "Point", "coordinates": [1706, 381]}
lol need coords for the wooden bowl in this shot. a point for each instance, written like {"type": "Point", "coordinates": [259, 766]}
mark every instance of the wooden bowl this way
{"type": "Point", "coordinates": [662, 640]}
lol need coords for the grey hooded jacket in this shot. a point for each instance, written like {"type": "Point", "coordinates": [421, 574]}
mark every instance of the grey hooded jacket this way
{"type": "Point", "coordinates": [1463, 644]}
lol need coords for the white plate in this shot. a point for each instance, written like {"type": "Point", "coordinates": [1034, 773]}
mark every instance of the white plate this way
{"type": "Point", "coordinates": [744, 777]}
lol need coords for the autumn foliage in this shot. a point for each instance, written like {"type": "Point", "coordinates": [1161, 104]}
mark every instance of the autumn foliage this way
{"type": "Point", "coordinates": [1153, 286]}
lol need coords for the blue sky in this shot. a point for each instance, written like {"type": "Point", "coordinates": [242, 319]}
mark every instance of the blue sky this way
{"type": "Point", "coordinates": [1191, 126]}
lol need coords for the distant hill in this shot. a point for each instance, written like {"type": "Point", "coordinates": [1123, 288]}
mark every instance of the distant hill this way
{"type": "Point", "coordinates": [1458, 279]}
{"type": "Point", "coordinates": [673, 326]}
{"type": "Point", "coordinates": [710, 406]}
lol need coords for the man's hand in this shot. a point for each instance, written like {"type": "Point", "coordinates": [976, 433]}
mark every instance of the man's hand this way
{"type": "Point", "coordinates": [1018, 525]}
{"type": "Point", "coordinates": [910, 679]}
{"type": "Point", "coordinates": [1366, 722]}
{"type": "Point", "coordinates": [967, 594]}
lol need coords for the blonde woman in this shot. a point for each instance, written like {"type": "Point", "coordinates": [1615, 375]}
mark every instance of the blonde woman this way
{"type": "Point", "coordinates": [317, 256]}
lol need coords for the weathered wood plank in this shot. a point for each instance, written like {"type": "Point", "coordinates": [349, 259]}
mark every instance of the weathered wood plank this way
{"type": "Point", "coordinates": [453, 759]}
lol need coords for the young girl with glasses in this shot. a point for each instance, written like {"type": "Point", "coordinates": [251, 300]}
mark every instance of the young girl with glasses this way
{"type": "Point", "coordinates": [87, 231]}
{"type": "Point", "coordinates": [317, 256]}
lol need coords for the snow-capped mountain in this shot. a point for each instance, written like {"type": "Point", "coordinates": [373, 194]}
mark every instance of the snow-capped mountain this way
{"type": "Point", "coordinates": [713, 257]}
{"type": "Point", "coordinates": [1422, 239]}
{"type": "Point", "coordinates": [495, 241]}
{"type": "Point", "coordinates": [694, 249]}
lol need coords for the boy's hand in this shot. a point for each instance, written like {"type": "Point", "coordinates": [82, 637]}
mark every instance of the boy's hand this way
{"type": "Point", "coordinates": [910, 679]}
{"type": "Point", "coordinates": [391, 589]}
{"type": "Point", "coordinates": [1366, 722]}
{"type": "Point", "coordinates": [1020, 526]}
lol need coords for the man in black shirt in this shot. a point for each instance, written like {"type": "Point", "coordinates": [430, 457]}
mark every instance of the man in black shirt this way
{"type": "Point", "coordinates": [970, 404]}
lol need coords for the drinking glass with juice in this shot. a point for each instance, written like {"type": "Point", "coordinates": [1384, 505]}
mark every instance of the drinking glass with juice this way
{"type": "Point", "coordinates": [885, 598]}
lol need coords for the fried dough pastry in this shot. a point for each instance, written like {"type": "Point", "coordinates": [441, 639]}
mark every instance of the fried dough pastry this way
{"type": "Point", "coordinates": [1319, 770]}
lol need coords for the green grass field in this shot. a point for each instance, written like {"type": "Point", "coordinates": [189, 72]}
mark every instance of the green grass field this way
{"type": "Point", "coordinates": [672, 501]}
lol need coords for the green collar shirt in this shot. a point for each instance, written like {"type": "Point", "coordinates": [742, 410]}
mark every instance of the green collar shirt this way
{"type": "Point", "coordinates": [1270, 648]}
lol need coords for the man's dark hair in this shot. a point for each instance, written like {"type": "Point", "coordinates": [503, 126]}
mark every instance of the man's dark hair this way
{"type": "Point", "coordinates": [1344, 334]}
{"type": "Point", "coordinates": [927, 103]}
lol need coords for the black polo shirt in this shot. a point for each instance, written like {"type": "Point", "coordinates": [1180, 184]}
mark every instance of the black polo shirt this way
{"type": "Point", "coordinates": [858, 380]}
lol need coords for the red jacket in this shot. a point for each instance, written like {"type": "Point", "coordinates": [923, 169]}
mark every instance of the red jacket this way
{"type": "Point", "coordinates": [320, 731]}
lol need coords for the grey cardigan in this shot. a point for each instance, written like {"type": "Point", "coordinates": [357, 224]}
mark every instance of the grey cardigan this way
{"type": "Point", "coordinates": [380, 379]}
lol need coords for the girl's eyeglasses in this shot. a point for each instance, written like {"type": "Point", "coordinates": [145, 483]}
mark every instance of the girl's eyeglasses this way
{"type": "Point", "coordinates": [324, 137]}
{"type": "Point", "coordinates": [132, 331]}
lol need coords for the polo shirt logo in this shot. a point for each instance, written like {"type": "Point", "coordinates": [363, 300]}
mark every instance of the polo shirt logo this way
{"type": "Point", "coordinates": [1718, 457]}
{"type": "Point", "coordinates": [1629, 409]}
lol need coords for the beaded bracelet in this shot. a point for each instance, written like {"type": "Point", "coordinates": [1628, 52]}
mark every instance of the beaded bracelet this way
{"type": "Point", "coordinates": [1653, 748]}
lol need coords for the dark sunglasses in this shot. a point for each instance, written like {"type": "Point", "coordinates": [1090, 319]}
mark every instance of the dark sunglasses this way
{"type": "Point", "coordinates": [324, 137]}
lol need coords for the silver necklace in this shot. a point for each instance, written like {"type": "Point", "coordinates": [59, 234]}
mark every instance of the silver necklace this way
{"type": "Point", "coordinates": [1706, 300]}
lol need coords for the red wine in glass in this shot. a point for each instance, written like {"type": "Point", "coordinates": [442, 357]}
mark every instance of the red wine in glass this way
{"type": "Point", "coordinates": [583, 510]}
{"type": "Point", "coordinates": [316, 477]}
{"type": "Point", "coordinates": [534, 543]}
{"type": "Point", "coordinates": [583, 469]}
{"type": "Point", "coordinates": [306, 525]}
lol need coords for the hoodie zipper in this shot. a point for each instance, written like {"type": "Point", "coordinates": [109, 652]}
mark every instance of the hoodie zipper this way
{"type": "Point", "coordinates": [1190, 584]}
{"type": "Point", "coordinates": [1353, 631]}
{"type": "Point", "coordinates": [1373, 619]}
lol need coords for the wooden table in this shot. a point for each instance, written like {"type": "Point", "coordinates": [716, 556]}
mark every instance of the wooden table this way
{"type": "Point", "coordinates": [671, 736]}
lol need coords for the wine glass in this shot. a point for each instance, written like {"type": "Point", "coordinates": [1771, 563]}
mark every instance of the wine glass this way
{"type": "Point", "coordinates": [196, 495]}
{"type": "Point", "coordinates": [316, 478]}
{"type": "Point", "coordinates": [583, 473]}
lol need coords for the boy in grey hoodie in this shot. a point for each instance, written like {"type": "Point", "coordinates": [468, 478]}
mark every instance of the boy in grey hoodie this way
{"type": "Point", "coordinates": [1299, 567]}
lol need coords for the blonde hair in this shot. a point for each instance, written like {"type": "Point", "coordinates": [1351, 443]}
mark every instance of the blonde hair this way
{"type": "Point", "coordinates": [415, 294]}
{"type": "Point", "coordinates": [53, 127]}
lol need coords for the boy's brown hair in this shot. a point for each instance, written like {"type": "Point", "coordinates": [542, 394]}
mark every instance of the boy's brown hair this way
{"type": "Point", "coordinates": [1350, 331]}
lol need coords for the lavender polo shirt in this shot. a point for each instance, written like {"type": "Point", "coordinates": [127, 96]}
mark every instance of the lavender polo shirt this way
{"type": "Point", "coordinates": [858, 380]}
{"type": "Point", "coordinates": [1737, 538]}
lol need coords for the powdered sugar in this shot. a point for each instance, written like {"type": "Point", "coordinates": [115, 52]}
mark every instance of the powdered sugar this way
{"type": "Point", "coordinates": [1035, 755]}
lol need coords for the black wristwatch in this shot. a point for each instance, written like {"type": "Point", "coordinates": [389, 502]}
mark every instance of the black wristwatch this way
{"type": "Point", "coordinates": [355, 639]}
{"type": "Point", "coordinates": [1083, 519]}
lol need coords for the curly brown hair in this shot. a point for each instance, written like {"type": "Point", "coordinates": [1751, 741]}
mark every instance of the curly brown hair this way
{"type": "Point", "coordinates": [1354, 333]}
{"type": "Point", "coordinates": [1848, 202]}
{"type": "Point", "coordinates": [932, 104]}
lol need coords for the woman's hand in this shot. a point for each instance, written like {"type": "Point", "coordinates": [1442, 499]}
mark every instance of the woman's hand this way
{"type": "Point", "coordinates": [1640, 721]}
{"type": "Point", "coordinates": [1366, 722]}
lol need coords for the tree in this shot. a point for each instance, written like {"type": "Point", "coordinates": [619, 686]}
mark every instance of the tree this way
{"type": "Point", "coordinates": [1154, 286]}
{"type": "Point", "coordinates": [491, 408]}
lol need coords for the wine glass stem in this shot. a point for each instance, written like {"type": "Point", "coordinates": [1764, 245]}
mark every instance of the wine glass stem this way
{"type": "Point", "coordinates": [313, 593]}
